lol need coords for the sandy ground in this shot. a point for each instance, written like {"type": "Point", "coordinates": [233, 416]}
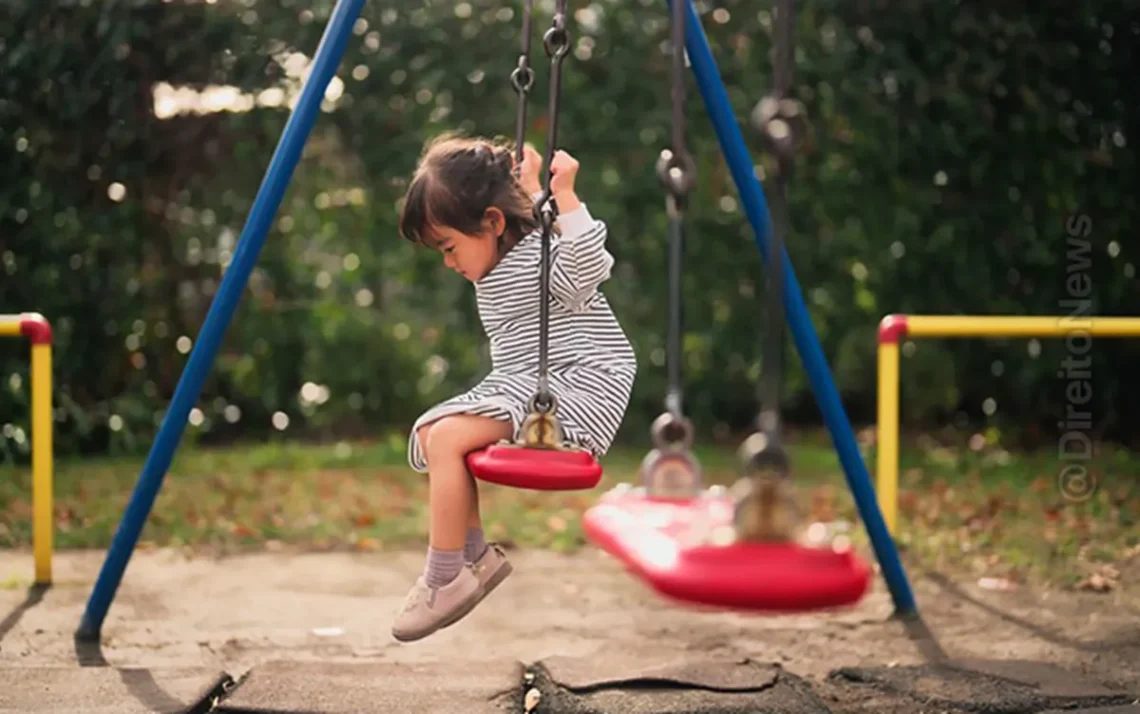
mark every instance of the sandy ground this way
{"type": "Point", "coordinates": [235, 613]}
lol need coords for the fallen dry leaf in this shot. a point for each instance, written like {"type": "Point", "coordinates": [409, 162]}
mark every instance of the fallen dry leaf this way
{"type": "Point", "coordinates": [363, 520]}
{"type": "Point", "coordinates": [1106, 578]}
{"type": "Point", "coordinates": [908, 500]}
{"type": "Point", "coordinates": [368, 544]}
{"type": "Point", "coordinates": [1096, 583]}
{"type": "Point", "coordinates": [1000, 584]}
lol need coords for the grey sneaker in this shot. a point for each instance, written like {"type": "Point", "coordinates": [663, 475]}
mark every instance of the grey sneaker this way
{"type": "Point", "coordinates": [491, 568]}
{"type": "Point", "coordinates": [427, 610]}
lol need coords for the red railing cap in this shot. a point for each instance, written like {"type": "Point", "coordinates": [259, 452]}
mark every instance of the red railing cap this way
{"type": "Point", "coordinates": [891, 328]}
{"type": "Point", "coordinates": [36, 328]}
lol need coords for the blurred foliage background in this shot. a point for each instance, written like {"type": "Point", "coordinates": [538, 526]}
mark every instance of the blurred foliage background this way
{"type": "Point", "coordinates": [952, 144]}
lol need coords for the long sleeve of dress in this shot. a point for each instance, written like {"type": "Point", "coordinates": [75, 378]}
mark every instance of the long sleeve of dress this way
{"type": "Point", "coordinates": [580, 260]}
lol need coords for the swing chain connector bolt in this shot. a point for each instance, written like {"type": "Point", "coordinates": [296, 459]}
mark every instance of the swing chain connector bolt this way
{"type": "Point", "coordinates": [783, 125]}
{"type": "Point", "coordinates": [676, 173]}
{"type": "Point", "coordinates": [541, 429]}
{"type": "Point", "coordinates": [556, 40]}
{"type": "Point", "coordinates": [763, 456]}
{"type": "Point", "coordinates": [522, 77]}
{"type": "Point", "coordinates": [670, 470]}
{"type": "Point", "coordinates": [765, 510]}
{"type": "Point", "coordinates": [670, 431]}
{"type": "Point", "coordinates": [765, 513]}
{"type": "Point", "coordinates": [542, 402]}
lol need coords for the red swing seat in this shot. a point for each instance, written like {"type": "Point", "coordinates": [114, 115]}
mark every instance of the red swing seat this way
{"type": "Point", "coordinates": [535, 469]}
{"type": "Point", "coordinates": [654, 538]}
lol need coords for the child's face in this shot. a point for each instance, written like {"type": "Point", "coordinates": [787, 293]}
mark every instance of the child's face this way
{"type": "Point", "coordinates": [472, 256]}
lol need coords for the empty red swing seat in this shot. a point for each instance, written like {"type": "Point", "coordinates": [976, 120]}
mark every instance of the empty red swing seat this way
{"type": "Point", "coordinates": [535, 469]}
{"type": "Point", "coordinates": [622, 510]}
{"type": "Point", "coordinates": [659, 541]}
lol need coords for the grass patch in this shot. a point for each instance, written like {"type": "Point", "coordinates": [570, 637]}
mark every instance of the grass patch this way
{"type": "Point", "coordinates": [1006, 515]}
{"type": "Point", "coordinates": [985, 512]}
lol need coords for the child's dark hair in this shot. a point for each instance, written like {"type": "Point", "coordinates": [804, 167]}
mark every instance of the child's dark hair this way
{"type": "Point", "coordinates": [457, 180]}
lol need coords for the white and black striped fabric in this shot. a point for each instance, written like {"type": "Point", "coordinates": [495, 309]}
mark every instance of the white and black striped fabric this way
{"type": "Point", "coordinates": [591, 364]}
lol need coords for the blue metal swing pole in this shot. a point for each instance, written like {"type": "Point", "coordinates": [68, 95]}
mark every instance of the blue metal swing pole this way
{"type": "Point", "coordinates": [735, 152]}
{"type": "Point", "coordinates": [265, 205]}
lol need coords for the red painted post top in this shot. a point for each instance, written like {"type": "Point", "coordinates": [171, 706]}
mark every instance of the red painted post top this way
{"type": "Point", "coordinates": [891, 328]}
{"type": "Point", "coordinates": [36, 328]}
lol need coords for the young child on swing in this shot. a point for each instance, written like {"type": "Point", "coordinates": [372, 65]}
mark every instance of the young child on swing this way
{"type": "Point", "coordinates": [466, 201]}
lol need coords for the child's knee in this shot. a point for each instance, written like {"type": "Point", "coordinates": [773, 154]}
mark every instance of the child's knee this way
{"type": "Point", "coordinates": [455, 436]}
{"type": "Point", "coordinates": [442, 440]}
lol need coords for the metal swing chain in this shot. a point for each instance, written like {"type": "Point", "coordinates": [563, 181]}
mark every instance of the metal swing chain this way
{"type": "Point", "coordinates": [780, 119]}
{"type": "Point", "coordinates": [541, 429]}
{"type": "Point", "coordinates": [556, 41]}
{"type": "Point", "coordinates": [765, 512]}
{"type": "Point", "coordinates": [522, 79]}
{"type": "Point", "coordinates": [677, 173]}
{"type": "Point", "coordinates": [670, 470]}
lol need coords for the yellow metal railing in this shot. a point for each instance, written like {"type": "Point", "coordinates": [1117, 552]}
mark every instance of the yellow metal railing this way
{"type": "Point", "coordinates": [37, 330]}
{"type": "Point", "coordinates": [894, 328]}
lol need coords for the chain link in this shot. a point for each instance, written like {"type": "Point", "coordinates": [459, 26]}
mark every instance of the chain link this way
{"type": "Point", "coordinates": [556, 41]}
{"type": "Point", "coordinates": [676, 172]}
{"type": "Point", "coordinates": [781, 123]}
{"type": "Point", "coordinates": [522, 79]}
{"type": "Point", "coordinates": [671, 468]}
{"type": "Point", "coordinates": [675, 169]}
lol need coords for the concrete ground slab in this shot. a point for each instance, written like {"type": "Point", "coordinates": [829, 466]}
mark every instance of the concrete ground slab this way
{"type": "Point", "coordinates": [625, 668]}
{"type": "Point", "coordinates": [292, 687]}
{"type": "Point", "coordinates": [106, 690]}
{"type": "Point", "coordinates": [625, 683]}
{"type": "Point", "coordinates": [1128, 708]}
{"type": "Point", "coordinates": [573, 614]}
{"type": "Point", "coordinates": [991, 686]}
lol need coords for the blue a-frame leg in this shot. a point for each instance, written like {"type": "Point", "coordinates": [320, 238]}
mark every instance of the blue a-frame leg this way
{"type": "Point", "coordinates": [265, 206]}
{"type": "Point", "coordinates": [799, 323]}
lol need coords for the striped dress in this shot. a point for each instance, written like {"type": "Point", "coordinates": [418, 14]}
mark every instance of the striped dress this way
{"type": "Point", "coordinates": [591, 364]}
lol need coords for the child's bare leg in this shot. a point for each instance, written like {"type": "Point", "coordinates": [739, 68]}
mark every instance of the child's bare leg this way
{"type": "Point", "coordinates": [447, 592]}
{"type": "Point", "coordinates": [474, 520]}
{"type": "Point", "coordinates": [453, 496]}
{"type": "Point", "coordinates": [460, 436]}
{"type": "Point", "coordinates": [475, 543]}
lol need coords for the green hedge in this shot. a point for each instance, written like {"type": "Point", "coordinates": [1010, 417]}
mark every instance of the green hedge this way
{"type": "Point", "coordinates": [950, 146]}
